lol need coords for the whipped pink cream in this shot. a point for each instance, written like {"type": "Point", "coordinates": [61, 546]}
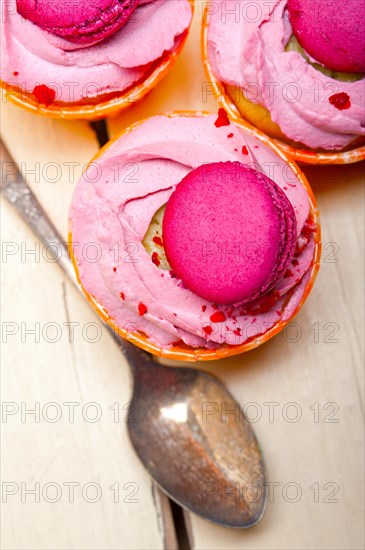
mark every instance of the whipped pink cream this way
{"type": "Point", "coordinates": [246, 48]}
{"type": "Point", "coordinates": [32, 56]}
{"type": "Point", "coordinates": [112, 208]}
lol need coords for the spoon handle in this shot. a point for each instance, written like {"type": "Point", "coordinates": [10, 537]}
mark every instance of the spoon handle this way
{"type": "Point", "coordinates": [18, 193]}
{"type": "Point", "coordinates": [16, 190]}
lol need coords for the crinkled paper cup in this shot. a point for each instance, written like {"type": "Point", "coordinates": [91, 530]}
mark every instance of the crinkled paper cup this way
{"type": "Point", "coordinates": [182, 352]}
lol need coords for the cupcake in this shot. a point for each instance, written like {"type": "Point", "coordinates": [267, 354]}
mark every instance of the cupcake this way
{"type": "Point", "coordinates": [193, 239]}
{"type": "Point", "coordinates": [88, 58]}
{"type": "Point", "coordinates": [294, 69]}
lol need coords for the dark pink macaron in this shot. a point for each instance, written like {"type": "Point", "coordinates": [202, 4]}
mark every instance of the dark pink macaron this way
{"type": "Point", "coordinates": [79, 21]}
{"type": "Point", "coordinates": [332, 31]}
{"type": "Point", "coordinates": [229, 232]}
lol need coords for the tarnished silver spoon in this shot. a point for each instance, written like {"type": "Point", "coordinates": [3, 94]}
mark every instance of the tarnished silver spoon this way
{"type": "Point", "coordinates": [185, 426]}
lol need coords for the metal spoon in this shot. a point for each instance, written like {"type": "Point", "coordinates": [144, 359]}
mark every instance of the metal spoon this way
{"type": "Point", "coordinates": [185, 426]}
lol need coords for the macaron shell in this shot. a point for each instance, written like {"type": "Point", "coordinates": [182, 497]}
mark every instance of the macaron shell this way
{"type": "Point", "coordinates": [79, 21]}
{"type": "Point", "coordinates": [332, 32]}
{"type": "Point", "coordinates": [229, 232]}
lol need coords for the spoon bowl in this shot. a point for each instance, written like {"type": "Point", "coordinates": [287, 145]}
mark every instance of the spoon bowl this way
{"type": "Point", "coordinates": [195, 441]}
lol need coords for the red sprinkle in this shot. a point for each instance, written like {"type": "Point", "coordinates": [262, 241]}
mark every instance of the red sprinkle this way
{"type": "Point", "coordinates": [287, 274]}
{"type": "Point", "coordinates": [244, 150]}
{"type": "Point", "coordinates": [15, 73]}
{"type": "Point", "coordinates": [341, 101]}
{"type": "Point", "coordinates": [122, 295]}
{"type": "Point", "coordinates": [295, 262]}
{"type": "Point", "coordinates": [208, 330]}
{"type": "Point", "coordinates": [114, 269]}
{"type": "Point", "coordinates": [230, 135]}
{"type": "Point", "coordinates": [263, 304]}
{"type": "Point", "coordinates": [237, 332]}
{"type": "Point", "coordinates": [204, 308]}
{"type": "Point", "coordinates": [301, 244]}
{"type": "Point", "coordinates": [141, 309]}
{"type": "Point", "coordinates": [155, 258]}
{"type": "Point", "coordinates": [222, 119]}
{"type": "Point", "coordinates": [45, 95]}
{"type": "Point", "coordinates": [218, 317]}
{"type": "Point", "coordinates": [308, 229]}
{"type": "Point", "coordinates": [157, 240]}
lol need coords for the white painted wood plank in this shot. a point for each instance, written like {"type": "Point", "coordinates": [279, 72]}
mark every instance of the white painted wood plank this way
{"type": "Point", "coordinates": [51, 155]}
{"type": "Point", "coordinates": [74, 368]}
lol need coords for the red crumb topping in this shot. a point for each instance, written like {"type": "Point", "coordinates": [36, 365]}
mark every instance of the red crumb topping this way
{"type": "Point", "coordinates": [122, 295]}
{"type": "Point", "coordinates": [301, 244]}
{"type": "Point", "coordinates": [15, 73]}
{"type": "Point", "coordinates": [114, 269]}
{"type": "Point", "coordinates": [204, 308]}
{"type": "Point", "coordinates": [287, 274]}
{"type": "Point", "coordinates": [263, 304]}
{"type": "Point", "coordinates": [244, 150]}
{"type": "Point", "coordinates": [295, 262]}
{"type": "Point", "coordinates": [308, 229]}
{"type": "Point", "coordinates": [142, 309]}
{"type": "Point", "coordinates": [230, 135]}
{"type": "Point", "coordinates": [157, 240]}
{"type": "Point", "coordinates": [208, 330]}
{"type": "Point", "coordinates": [222, 119]}
{"type": "Point", "coordinates": [45, 95]}
{"type": "Point", "coordinates": [155, 258]}
{"type": "Point", "coordinates": [237, 331]}
{"type": "Point", "coordinates": [341, 101]}
{"type": "Point", "coordinates": [214, 306]}
{"type": "Point", "coordinates": [218, 317]}
{"type": "Point", "coordinates": [178, 342]}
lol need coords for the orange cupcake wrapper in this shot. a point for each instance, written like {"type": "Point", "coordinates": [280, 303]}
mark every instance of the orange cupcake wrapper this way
{"type": "Point", "coordinates": [182, 352]}
{"type": "Point", "coordinates": [109, 107]}
{"type": "Point", "coordinates": [305, 156]}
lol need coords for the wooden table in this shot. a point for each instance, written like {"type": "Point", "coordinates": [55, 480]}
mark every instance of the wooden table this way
{"type": "Point", "coordinates": [303, 390]}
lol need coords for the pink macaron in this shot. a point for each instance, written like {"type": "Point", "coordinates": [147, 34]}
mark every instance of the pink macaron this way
{"type": "Point", "coordinates": [229, 232]}
{"type": "Point", "coordinates": [332, 32]}
{"type": "Point", "coordinates": [79, 21]}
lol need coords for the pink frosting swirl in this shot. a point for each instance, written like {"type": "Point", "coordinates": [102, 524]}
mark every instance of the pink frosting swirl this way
{"type": "Point", "coordinates": [112, 208]}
